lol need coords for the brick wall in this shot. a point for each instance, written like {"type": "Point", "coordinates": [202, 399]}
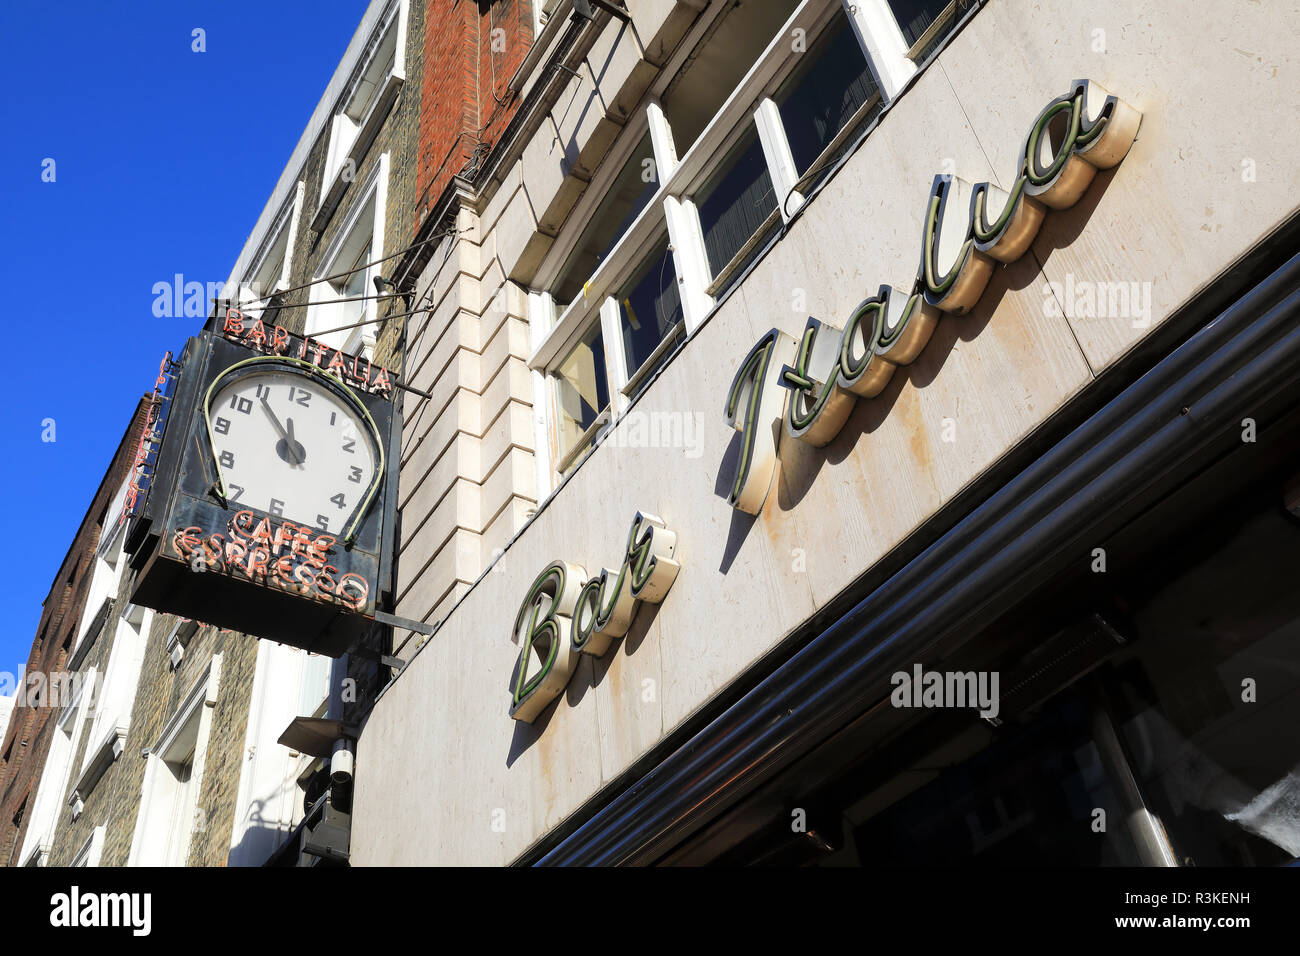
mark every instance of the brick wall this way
{"type": "Point", "coordinates": [466, 66]}
{"type": "Point", "coordinates": [27, 740]}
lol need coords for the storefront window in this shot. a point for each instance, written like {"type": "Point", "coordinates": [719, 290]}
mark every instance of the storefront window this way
{"type": "Point", "coordinates": [1029, 798]}
{"type": "Point", "coordinates": [1210, 701]}
{"type": "Point", "coordinates": [1200, 765]}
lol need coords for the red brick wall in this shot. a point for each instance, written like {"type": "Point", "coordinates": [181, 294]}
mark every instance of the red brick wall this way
{"type": "Point", "coordinates": [27, 740]}
{"type": "Point", "coordinates": [464, 99]}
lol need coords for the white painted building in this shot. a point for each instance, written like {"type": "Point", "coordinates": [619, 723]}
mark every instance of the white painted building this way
{"type": "Point", "coordinates": [1075, 478]}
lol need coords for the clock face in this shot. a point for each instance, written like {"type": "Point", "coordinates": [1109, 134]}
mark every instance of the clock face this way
{"type": "Point", "coordinates": [292, 446]}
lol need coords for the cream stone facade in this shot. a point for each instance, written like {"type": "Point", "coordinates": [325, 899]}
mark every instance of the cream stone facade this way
{"type": "Point", "coordinates": [443, 774]}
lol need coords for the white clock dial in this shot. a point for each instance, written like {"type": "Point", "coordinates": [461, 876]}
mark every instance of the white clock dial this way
{"type": "Point", "coordinates": [288, 445]}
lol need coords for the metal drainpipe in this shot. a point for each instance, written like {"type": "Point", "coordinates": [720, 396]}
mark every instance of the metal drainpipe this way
{"type": "Point", "coordinates": [1018, 535]}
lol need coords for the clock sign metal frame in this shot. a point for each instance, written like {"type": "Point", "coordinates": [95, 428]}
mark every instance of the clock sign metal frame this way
{"type": "Point", "coordinates": [202, 551]}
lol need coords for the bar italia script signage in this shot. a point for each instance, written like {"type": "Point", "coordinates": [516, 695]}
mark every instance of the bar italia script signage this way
{"type": "Point", "coordinates": [566, 615]}
{"type": "Point", "coordinates": [828, 369]}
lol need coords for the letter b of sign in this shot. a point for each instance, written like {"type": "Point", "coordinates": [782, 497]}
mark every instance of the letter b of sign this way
{"type": "Point", "coordinates": [545, 630]}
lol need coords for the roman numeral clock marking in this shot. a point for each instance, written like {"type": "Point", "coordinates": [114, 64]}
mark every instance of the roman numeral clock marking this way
{"type": "Point", "coordinates": [292, 442]}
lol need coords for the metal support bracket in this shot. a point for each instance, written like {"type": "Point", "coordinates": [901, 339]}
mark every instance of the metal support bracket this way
{"type": "Point", "coordinates": [582, 9]}
{"type": "Point", "coordinates": [406, 624]}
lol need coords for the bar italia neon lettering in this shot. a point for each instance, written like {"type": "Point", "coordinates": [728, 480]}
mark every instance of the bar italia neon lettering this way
{"type": "Point", "coordinates": [355, 370]}
{"type": "Point", "coordinates": [563, 617]}
{"type": "Point", "coordinates": [1092, 130]}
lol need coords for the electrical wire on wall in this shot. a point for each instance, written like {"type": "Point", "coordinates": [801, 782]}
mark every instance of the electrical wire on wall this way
{"type": "Point", "coordinates": [345, 274]}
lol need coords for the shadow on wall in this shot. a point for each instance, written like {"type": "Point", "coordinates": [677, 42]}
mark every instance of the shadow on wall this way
{"type": "Point", "coordinates": [260, 839]}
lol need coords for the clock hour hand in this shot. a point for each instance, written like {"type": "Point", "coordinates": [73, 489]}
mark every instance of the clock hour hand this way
{"type": "Point", "coordinates": [290, 444]}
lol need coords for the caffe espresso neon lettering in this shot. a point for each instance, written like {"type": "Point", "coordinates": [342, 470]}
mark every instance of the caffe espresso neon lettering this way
{"type": "Point", "coordinates": [827, 370]}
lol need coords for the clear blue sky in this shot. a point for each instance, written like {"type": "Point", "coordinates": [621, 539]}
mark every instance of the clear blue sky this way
{"type": "Point", "coordinates": [164, 159]}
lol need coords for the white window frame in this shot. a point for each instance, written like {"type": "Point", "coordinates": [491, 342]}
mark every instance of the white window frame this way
{"type": "Point", "coordinates": [164, 824]}
{"type": "Point", "coordinates": [361, 110]}
{"type": "Point", "coordinates": [91, 851]}
{"type": "Point", "coordinates": [327, 314]}
{"type": "Point", "coordinates": [105, 568]}
{"type": "Point", "coordinates": [258, 284]}
{"type": "Point", "coordinates": [115, 698]}
{"type": "Point", "coordinates": [57, 774]}
{"type": "Point", "coordinates": [749, 107]}
{"type": "Point", "coordinates": [547, 12]}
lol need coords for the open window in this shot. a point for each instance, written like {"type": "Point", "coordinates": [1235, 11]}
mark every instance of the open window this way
{"type": "Point", "coordinates": [742, 127]}
{"type": "Point", "coordinates": [581, 395]}
{"type": "Point", "coordinates": [926, 23]}
{"type": "Point", "coordinates": [629, 193]}
{"type": "Point", "coordinates": [717, 67]}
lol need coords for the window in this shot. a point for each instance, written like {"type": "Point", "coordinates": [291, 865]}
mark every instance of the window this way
{"type": "Point", "coordinates": [371, 91]}
{"type": "Point", "coordinates": [718, 65]}
{"type": "Point", "coordinates": [543, 13]}
{"type": "Point", "coordinates": [271, 271]}
{"type": "Point", "coordinates": [825, 93]}
{"type": "Point", "coordinates": [925, 23]}
{"type": "Point", "coordinates": [740, 129]}
{"type": "Point", "coordinates": [91, 850]}
{"type": "Point", "coordinates": [347, 313]}
{"type": "Point", "coordinates": [112, 536]}
{"type": "Point", "coordinates": [57, 775]}
{"type": "Point", "coordinates": [113, 701]}
{"type": "Point", "coordinates": [650, 312]}
{"type": "Point", "coordinates": [178, 774]}
{"type": "Point", "coordinates": [737, 203]}
{"type": "Point", "coordinates": [582, 392]}
{"type": "Point", "coordinates": [352, 286]}
{"type": "Point", "coordinates": [633, 188]}
{"type": "Point", "coordinates": [173, 775]}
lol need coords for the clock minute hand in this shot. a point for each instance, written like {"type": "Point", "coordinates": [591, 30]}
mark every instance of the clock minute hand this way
{"type": "Point", "coordinates": [288, 438]}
